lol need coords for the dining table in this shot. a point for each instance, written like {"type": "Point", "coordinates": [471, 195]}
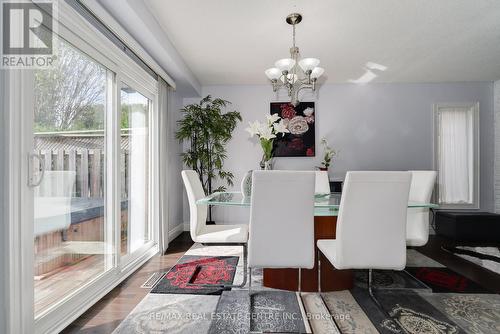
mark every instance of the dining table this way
{"type": "Point", "coordinates": [326, 208]}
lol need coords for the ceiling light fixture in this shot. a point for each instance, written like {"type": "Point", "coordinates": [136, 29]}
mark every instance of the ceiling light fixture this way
{"type": "Point", "coordinates": [294, 74]}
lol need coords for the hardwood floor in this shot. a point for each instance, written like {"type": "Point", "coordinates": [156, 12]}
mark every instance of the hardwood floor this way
{"type": "Point", "coordinates": [486, 278]}
{"type": "Point", "coordinates": [107, 314]}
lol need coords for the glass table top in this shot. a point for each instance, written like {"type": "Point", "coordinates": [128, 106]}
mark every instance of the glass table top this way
{"type": "Point", "coordinates": [324, 205]}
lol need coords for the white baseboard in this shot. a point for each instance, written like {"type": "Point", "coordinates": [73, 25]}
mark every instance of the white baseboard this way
{"type": "Point", "coordinates": [186, 226]}
{"type": "Point", "coordinates": [175, 232]}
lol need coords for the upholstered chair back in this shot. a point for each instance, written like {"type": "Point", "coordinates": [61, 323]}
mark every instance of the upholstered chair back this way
{"type": "Point", "coordinates": [371, 224]}
{"type": "Point", "coordinates": [282, 220]}
{"type": "Point", "coordinates": [417, 223]}
{"type": "Point", "coordinates": [197, 213]}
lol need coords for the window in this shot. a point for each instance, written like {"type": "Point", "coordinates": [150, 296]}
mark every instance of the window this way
{"type": "Point", "coordinates": [457, 155]}
{"type": "Point", "coordinates": [71, 242]}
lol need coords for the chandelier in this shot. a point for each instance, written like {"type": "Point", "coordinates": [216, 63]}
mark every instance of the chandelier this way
{"type": "Point", "coordinates": [294, 74]}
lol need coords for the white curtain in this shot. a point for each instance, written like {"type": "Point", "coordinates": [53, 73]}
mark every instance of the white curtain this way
{"type": "Point", "coordinates": [456, 156]}
{"type": "Point", "coordinates": [163, 137]}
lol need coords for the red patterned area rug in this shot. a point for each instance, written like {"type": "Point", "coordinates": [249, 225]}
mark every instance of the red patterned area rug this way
{"type": "Point", "coordinates": [200, 270]}
{"type": "Point", "coordinates": [444, 280]}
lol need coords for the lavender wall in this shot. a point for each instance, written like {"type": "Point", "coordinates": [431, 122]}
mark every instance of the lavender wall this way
{"type": "Point", "coordinates": [374, 126]}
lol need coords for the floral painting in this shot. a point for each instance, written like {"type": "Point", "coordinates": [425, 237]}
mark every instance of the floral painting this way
{"type": "Point", "coordinates": [299, 120]}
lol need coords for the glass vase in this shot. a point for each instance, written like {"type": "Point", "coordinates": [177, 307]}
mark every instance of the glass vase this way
{"type": "Point", "coordinates": [266, 164]}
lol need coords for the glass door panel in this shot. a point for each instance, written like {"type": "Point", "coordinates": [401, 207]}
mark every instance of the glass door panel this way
{"type": "Point", "coordinates": [71, 235]}
{"type": "Point", "coordinates": [134, 157]}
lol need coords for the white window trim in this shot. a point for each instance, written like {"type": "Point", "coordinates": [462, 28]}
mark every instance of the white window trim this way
{"type": "Point", "coordinates": [18, 289]}
{"type": "Point", "coordinates": [476, 145]}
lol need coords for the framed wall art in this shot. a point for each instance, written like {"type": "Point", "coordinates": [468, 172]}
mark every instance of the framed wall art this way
{"type": "Point", "coordinates": [300, 121]}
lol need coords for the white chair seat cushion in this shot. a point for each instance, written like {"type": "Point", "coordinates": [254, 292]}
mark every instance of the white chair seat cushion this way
{"type": "Point", "coordinates": [223, 234]}
{"type": "Point", "coordinates": [329, 249]}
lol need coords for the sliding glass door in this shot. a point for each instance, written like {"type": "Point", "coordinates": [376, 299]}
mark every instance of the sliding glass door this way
{"type": "Point", "coordinates": [72, 243]}
{"type": "Point", "coordinates": [82, 187]}
{"type": "Point", "coordinates": [135, 169]}
{"type": "Point", "coordinates": [75, 116]}
{"type": "Point", "coordinates": [90, 177]}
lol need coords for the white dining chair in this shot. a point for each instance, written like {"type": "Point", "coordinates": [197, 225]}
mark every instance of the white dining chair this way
{"type": "Point", "coordinates": [417, 222]}
{"type": "Point", "coordinates": [281, 221]}
{"type": "Point", "coordinates": [322, 183]}
{"type": "Point", "coordinates": [52, 205]}
{"type": "Point", "coordinates": [211, 234]}
{"type": "Point", "coordinates": [371, 224]}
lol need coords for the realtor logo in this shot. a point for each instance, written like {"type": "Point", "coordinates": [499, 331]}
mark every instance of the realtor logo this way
{"type": "Point", "coordinates": [27, 34]}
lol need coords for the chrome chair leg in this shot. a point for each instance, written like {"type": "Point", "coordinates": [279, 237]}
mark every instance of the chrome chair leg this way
{"type": "Point", "coordinates": [250, 297]}
{"type": "Point", "coordinates": [300, 282]}
{"type": "Point", "coordinates": [319, 270]}
{"type": "Point", "coordinates": [249, 281]}
{"type": "Point", "coordinates": [372, 294]}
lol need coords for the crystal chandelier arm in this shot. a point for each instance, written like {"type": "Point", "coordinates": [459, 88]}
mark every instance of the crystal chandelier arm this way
{"type": "Point", "coordinates": [277, 84]}
{"type": "Point", "coordinates": [307, 80]}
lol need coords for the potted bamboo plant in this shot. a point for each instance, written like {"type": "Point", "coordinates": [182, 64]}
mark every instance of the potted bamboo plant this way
{"type": "Point", "coordinates": [207, 129]}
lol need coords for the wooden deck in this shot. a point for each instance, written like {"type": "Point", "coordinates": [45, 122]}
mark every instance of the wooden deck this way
{"type": "Point", "coordinates": [55, 287]}
{"type": "Point", "coordinates": [64, 280]}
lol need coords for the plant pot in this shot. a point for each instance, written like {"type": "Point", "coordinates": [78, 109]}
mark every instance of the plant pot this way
{"type": "Point", "coordinates": [324, 169]}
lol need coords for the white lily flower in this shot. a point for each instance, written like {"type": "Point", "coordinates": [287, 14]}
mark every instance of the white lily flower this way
{"type": "Point", "coordinates": [267, 133]}
{"type": "Point", "coordinates": [254, 128]}
{"type": "Point", "coordinates": [264, 127]}
{"type": "Point", "coordinates": [272, 118]}
{"type": "Point", "coordinates": [280, 127]}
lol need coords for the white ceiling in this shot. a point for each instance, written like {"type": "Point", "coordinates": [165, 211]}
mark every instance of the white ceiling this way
{"type": "Point", "coordinates": [233, 42]}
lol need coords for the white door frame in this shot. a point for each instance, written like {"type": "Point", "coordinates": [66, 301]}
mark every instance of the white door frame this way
{"type": "Point", "coordinates": [19, 203]}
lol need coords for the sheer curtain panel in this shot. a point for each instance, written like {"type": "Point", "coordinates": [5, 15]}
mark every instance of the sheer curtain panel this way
{"type": "Point", "coordinates": [163, 129]}
{"type": "Point", "coordinates": [457, 155]}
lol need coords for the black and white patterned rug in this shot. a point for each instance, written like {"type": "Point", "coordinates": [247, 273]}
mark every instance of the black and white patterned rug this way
{"type": "Point", "coordinates": [271, 312]}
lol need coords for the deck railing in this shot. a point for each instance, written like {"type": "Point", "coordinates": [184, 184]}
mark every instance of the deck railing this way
{"type": "Point", "coordinates": [86, 162]}
{"type": "Point", "coordinates": [89, 167]}
{"type": "Point", "coordinates": [65, 151]}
